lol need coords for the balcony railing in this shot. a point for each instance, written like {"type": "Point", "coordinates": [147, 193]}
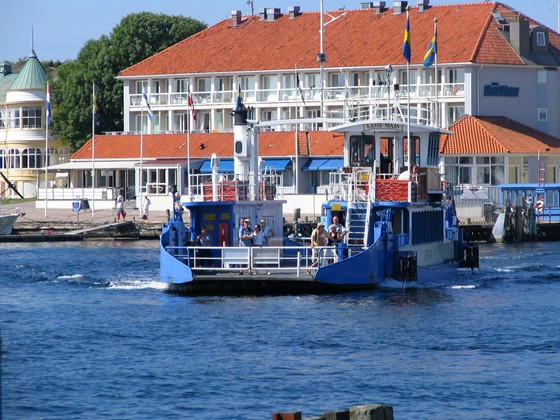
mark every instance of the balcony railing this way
{"type": "Point", "coordinates": [334, 95]}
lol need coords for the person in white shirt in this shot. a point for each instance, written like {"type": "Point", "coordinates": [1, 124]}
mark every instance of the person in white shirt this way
{"type": "Point", "coordinates": [267, 231]}
{"type": "Point", "coordinates": [258, 236]}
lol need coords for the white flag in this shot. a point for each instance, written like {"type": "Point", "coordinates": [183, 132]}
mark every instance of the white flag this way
{"type": "Point", "coordinates": [145, 98]}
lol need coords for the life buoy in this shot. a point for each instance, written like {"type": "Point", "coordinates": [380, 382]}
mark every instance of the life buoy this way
{"type": "Point", "coordinates": [539, 205]}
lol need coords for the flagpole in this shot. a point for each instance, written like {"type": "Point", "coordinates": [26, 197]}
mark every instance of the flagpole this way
{"type": "Point", "coordinates": [409, 143]}
{"type": "Point", "coordinates": [93, 153]}
{"type": "Point", "coordinates": [296, 169]}
{"type": "Point", "coordinates": [436, 75]}
{"type": "Point", "coordinates": [47, 145]}
{"type": "Point", "coordinates": [189, 114]}
{"type": "Point", "coordinates": [141, 152]}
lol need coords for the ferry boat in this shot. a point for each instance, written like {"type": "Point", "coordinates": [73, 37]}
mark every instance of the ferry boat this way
{"type": "Point", "coordinates": [397, 209]}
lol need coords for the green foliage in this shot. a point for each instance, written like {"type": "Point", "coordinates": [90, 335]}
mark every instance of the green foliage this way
{"type": "Point", "coordinates": [137, 37]}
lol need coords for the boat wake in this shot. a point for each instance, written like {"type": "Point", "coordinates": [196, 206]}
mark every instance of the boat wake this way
{"type": "Point", "coordinates": [136, 284]}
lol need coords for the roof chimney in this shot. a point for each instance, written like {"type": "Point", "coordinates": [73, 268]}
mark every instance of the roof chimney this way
{"type": "Point", "coordinates": [236, 17]}
{"type": "Point", "coordinates": [399, 7]}
{"type": "Point", "coordinates": [378, 7]}
{"type": "Point", "coordinates": [294, 11]}
{"type": "Point", "coordinates": [367, 5]}
{"type": "Point", "coordinates": [519, 36]}
{"type": "Point", "coordinates": [272, 14]}
{"type": "Point", "coordinates": [423, 5]}
{"type": "Point", "coordinates": [5, 69]}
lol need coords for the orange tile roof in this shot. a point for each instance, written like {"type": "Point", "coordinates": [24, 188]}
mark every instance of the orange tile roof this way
{"type": "Point", "coordinates": [173, 146]}
{"type": "Point", "coordinates": [361, 38]}
{"type": "Point", "coordinates": [495, 135]}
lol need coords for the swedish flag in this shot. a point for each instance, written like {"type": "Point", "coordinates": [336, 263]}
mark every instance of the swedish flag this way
{"type": "Point", "coordinates": [430, 55]}
{"type": "Point", "coordinates": [406, 51]}
{"type": "Point", "coordinates": [239, 102]}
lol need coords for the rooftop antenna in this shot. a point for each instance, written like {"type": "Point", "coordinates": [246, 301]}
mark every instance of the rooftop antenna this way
{"type": "Point", "coordinates": [250, 3]}
{"type": "Point", "coordinates": [32, 39]}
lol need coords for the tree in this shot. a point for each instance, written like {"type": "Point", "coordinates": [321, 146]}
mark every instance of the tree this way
{"type": "Point", "coordinates": [137, 37]}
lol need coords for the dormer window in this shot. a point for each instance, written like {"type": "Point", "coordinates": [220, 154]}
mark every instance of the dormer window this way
{"type": "Point", "coordinates": [541, 39]}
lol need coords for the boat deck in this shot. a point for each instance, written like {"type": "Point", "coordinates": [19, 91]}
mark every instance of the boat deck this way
{"type": "Point", "coordinates": [260, 283]}
{"type": "Point", "coordinates": [273, 270]}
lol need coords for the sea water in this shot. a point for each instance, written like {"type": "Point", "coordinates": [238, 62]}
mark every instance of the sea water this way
{"type": "Point", "coordinates": [88, 332]}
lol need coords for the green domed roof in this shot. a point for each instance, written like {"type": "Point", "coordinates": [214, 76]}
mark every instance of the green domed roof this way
{"type": "Point", "coordinates": [33, 76]}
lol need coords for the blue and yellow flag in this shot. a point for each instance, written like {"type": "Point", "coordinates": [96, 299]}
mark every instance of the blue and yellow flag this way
{"type": "Point", "coordinates": [430, 55]}
{"type": "Point", "coordinates": [239, 102]}
{"type": "Point", "coordinates": [406, 52]}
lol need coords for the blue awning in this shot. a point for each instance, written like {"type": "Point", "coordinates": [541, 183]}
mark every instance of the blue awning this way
{"type": "Point", "coordinates": [332, 165]}
{"type": "Point", "coordinates": [226, 167]}
{"type": "Point", "coordinates": [323, 164]}
{"type": "Point", "coordinates": [278, 165]}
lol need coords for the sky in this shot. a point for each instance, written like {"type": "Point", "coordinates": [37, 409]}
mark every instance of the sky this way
{"type": "Point", "coordinates": [60, 28]}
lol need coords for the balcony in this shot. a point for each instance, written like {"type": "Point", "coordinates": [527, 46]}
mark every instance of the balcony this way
{"type": "Point", "coordinates": [333, 96]}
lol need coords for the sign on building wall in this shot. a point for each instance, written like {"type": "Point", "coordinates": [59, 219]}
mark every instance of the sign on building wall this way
{"type": "Point", "coordinates": [495, 89]}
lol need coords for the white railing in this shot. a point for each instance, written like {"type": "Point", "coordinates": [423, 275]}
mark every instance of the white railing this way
{"type": "Point", "coordinates": [74, 193]}
{"type": "Point", "coordinates": [271, 259]}
{"type": "Point", "coordinates": [232, 187]}
{"type": "Point", "coordinates": [292, 95]}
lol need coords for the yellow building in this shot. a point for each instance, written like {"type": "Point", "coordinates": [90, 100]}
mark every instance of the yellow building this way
{"type": "Point", "coordinates": [24, 149]}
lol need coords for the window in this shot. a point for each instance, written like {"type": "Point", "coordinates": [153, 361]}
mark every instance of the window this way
{"type": "Point", "coordinates": [2, 118]}
{"type": "Point", "coordinates": [247, 88]}
{"type": "Point", "coordinates": [2, 159]}
{"type": "Point", "coordinates": [140, 84]}
{"type": "Point", "coordinates": [14, 159]}
{"type": "Point", "coordinates": [456, 76]}
{"type": "Point", "coordinates": [337, 80]}
{"type": "Point", "coordinates": [542, 114]}
{"type": "Point", "coordinates": [541, 77]}
{"type": "Point", "coordinates": [454, 113]}
{"type": "Point", "coordinates": [362, 150]}
{"type": "Point", "coordinates": [269, 86]}
{"type": "Point", "coordinates": [142, 122]}
{"type": "Point", "coordinates": [203, 84]}
{"type": "Point", "coordinates": [14, 118]}
{"type": "Point", "coordinates": [268, 115]}
{"type": "Point", "coordinates": [313, 113]}
{"type": "Point", "coordinates": [180, 122]}
{"type": "Point", "coordinates": [31, 117]}
{"type": "Point", "coordinates": [31, 159]}
{"type": "Point", "coordinates": [288, 87]}
{"type": "Point", "coordinates": [541, 39]}
{"type": "Point", "coordinates": [465, 175]}
{"type": "Point", "coordinates": [181, 85]}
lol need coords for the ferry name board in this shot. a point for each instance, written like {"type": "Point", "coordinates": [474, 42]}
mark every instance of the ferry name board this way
{"type": "Point", "coordinates": [382, 126]}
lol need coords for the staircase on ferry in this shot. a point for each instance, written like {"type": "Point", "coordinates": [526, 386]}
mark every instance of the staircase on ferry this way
{"type": "Point", "coordinates": [356, 222]}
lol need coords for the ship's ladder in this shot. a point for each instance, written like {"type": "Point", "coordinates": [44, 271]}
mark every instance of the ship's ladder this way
{"type": "Point", "coordinates": [356, 222]}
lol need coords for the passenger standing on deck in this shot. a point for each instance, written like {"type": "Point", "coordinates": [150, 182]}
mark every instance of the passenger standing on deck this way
{"type": "Point", "coordinates": [204, 240]}
{"type": "Point", "coordinates": [245, 238]}
{"type": "Point", "coordinates": [258, 236]}
{"type": "Point", "coordinates": [318, 239]}
{"type": "Point", "coordinates": [267, 231]}
{"type": "Point", "coordinates": [340, 229]}
{"type": "Point", "coordinates": [332, 240]}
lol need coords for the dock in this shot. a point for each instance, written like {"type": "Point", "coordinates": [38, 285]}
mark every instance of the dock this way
{"type": "Point", "coordinates": [67, 226]}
